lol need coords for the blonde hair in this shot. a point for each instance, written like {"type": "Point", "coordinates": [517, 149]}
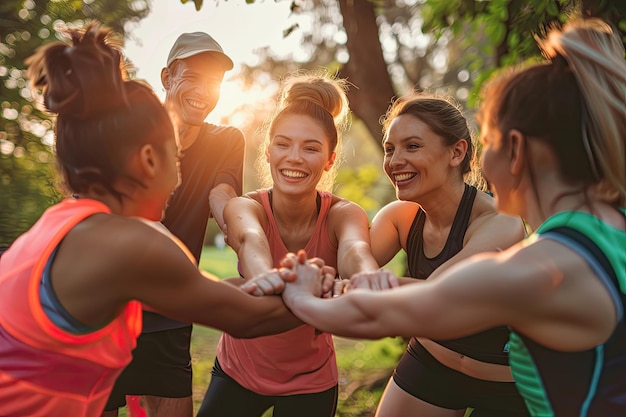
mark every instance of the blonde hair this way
{"type": "Point", "coordinates": [575, 102]}
{"type": "Point", "coordinates": [317, 95]}
{"type": "Point", "coordinates": [595, 54]}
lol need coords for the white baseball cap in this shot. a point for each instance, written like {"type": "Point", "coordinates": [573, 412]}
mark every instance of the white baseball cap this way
{"type": "Point", "coordinates": [189, 44]}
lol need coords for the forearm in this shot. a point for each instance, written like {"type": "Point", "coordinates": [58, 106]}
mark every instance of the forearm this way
{"type": "Point", "coordinates": [355, 258]}
{"type": "Point", "coordinates": [229, 309]}
{"type": "Point", "coordinates": [356, 318]}
{"type": "Point", "coordinates": [218, 197]}
{"type": "Point", "coordinates": [273, 317]}
{"type": "Point", "coordinates": [255, 258]}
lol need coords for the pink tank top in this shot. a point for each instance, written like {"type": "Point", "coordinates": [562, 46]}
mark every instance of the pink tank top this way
{"type": "Point", "coordinates": [301, 360]}
{"type": "Point", "coordinates": [44, 370]}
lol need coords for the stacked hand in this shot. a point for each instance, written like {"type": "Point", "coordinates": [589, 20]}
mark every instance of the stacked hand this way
{"type": "Point", "coordinates": [296, 270]}
{"type": "Point", "coordinates": [267, 283]}
{"type": "Point", "coordinates": [306, 276]}
{"type": "Point", "coordinates": [374, 280]}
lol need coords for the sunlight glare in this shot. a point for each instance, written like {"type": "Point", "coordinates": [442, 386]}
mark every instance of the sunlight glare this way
{"type": "Point", "coordinates": [234, 25]}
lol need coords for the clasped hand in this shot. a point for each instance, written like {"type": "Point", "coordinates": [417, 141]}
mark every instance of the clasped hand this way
{"type": "Point", "coordinates": [312, 274]}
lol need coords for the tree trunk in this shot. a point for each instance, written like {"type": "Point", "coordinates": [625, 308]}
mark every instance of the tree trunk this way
{"type": "Point", "coordinates": [366, 69]}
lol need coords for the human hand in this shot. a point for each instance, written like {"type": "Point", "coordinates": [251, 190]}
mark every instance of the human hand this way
{"type": "Point", "coordinates": [340, 286]}
{"type": "Point", "coordinates": [374, 280]}
{"type": "Point", "coordinates": [310, 277]}
{"type": "Point", "coordinates": [268, 283]}
{"type": "Point", "coordinates": [289, 273]}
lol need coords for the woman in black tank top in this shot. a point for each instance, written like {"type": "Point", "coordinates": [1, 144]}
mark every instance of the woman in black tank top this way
{"type": "Point", "coordinates": [438, 220]}
{"type": "Point", "coordinates": [553, 136]}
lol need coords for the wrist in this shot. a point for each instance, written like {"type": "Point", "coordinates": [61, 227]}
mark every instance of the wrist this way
{"type": "Point", "coordinates": [292, 296]}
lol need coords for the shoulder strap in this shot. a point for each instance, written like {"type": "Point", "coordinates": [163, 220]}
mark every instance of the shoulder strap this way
{"type": "Point", "coordinates": [595, 257]}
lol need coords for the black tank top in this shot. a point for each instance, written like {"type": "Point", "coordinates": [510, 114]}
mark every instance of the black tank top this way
{"type": "Point", "coordinates": [488, 346]}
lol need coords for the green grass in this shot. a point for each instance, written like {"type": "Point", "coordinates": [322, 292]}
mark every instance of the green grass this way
{"type": "Point", "coordinates": [221, 263]}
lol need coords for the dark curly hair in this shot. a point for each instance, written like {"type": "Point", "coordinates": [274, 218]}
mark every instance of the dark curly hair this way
{"type": "Point", "coordinates": [101, 116]}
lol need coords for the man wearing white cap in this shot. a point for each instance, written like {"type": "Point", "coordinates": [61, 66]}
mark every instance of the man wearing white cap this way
{"type": "Point", "coordinates": [212, 173]}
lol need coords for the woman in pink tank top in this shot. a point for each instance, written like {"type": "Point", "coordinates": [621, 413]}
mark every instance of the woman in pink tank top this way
{"type": "Point", "coordinates": [294, 372]}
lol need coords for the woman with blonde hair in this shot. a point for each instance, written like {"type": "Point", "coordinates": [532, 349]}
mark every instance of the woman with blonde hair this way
{"type": "Point", "coordinates": [294, 372]}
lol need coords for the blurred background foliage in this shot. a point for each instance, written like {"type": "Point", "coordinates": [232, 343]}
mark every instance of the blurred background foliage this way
{"type": "Point", "coordinates": [28, 181]}
{"type": "Point", "coordinates": [384, 47]}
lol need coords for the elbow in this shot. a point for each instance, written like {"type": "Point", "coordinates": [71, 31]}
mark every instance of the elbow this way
{"type": "Point", "coordinates": [247, 238]}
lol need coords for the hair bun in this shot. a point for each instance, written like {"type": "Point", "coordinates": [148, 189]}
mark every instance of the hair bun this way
{"type": "Point", "coordinates": [82, 78]}
{"type": "Point", "coordinates": [321, 89]}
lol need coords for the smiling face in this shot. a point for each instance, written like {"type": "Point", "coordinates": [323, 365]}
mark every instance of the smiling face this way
{"type": "Point", "coordinates": [193, 88]}
{"type": "Point", "coordinates": [298, 153]}
{"type": "Point", "coordinates": [416, 160]}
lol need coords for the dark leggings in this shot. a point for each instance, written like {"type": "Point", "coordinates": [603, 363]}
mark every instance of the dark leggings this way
{"type": "Point", "coordinates": [422, 376]}
{"type": "Point", "coordinates": [225, 397]}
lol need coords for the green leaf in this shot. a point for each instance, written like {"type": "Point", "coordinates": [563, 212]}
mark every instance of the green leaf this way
{"type": "Point", "coordinates": [552, 9]}
{"type": "Point", "coordinates": [513, 39]}
{"type": "Point", "coordinates": [495, 32]}
{"type": "Point", "coordinates": [498, 9]}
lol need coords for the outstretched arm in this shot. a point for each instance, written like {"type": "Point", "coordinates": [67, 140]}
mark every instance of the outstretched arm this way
{"type": "Point", "coordinates": [137, 262]}
{"type": "Point", "coordinates": [351, 226]}
{"type": "Point", "coordinates": [229, 176]}
{"type": "Point", "coordinates": [244, 217]}
{"type": "Point", "coordinates": [441, 309]}
{"type": "Point", "coordinates": [389, 229]}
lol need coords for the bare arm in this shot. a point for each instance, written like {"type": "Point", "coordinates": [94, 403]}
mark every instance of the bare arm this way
{"type": "Point", "coordinates": [388, 233]}
{"type": "Point", "coordinates": [440, 309]}
{"type": "Point", "coordinates": [389, 228]}
{"type": "Point", "coordinates": [229, 177]}
{"type": "Point", "coordinates": [350, 224]}
{"type": "Point", "coordinates": [189, 295]}
{"type": "Point", "coordinates": [218, 197]}
{"type": "Point", "coordinates": [124, 259]}
{"type": "Point", "coordinates": [487, 233]}
{"type": "Point", "coordinates": [542, 290]}
{"type": "Point", "coordinates": [247, 237]}
{"type": "Point", "coordinates": [492, 232]}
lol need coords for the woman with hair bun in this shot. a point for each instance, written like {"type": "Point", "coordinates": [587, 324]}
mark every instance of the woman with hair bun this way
{"type": "Point", "coordinates": [72, 287]}
{"type": "Point", "coordinates": [554, 140]}
{"type": "Point", "coordinates": [294, 372]}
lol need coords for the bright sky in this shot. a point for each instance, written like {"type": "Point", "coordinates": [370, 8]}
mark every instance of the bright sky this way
{"type": "Point", "coordinates": [238, 27]}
